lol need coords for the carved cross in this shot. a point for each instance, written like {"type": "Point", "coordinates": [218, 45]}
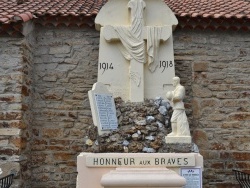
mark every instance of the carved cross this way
{"type": "Point", "coordinates": [133, 40]}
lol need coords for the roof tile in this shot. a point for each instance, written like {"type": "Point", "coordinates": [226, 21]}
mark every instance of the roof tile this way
{"type": "Point", "coordinates": [192, 8]}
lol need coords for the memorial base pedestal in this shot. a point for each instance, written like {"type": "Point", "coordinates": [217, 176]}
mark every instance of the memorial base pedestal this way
{"type": "Point", "coordinates": [142, 177]}
{"type": "Point", "coordinates": [96, 170]}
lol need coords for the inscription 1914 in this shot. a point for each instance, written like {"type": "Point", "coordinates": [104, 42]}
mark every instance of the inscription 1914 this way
{"type": "Point", "coordinates": [105, 66]}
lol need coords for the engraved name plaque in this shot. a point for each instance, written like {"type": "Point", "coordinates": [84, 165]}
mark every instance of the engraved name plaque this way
{"type": "Point", "coordinates": [106, 111]}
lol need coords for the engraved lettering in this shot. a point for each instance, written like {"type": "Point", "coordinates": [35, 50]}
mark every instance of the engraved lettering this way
{"type": "Point", "coordinates": [107, 161]}
{"type": "Point", "coordinates": [165, 64]}
{"type": "Point", "coordinates": [157, 161]}
{"type": "Point", "coordinates": [95, 161]}
{"type": "Point", "coordinates": [102, 161]}
{"type": "Point", "coordinates": [185, 161]}
{"type": "Point", "coordinates": [178, 161]}
{"type": "Point", "coordinates": [173, 160]}
{"type": "Point", "coordinates": [162, 161]}
{"type": "Point", "coordinates": [119, 161]}
{"type": "Point", "coordinates": [126, 161]}
{"type": "Point", "coordinates": [105, 66]}
{"type": "Point", "coordinates": [132, 161]}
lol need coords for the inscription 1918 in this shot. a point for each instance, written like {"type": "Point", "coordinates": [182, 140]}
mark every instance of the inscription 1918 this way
{"type": "Point", "coordinates": [165, 64]}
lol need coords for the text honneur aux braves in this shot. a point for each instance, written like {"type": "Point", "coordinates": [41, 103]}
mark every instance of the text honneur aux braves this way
{"type": "Point", "coordinates": [92, 161]}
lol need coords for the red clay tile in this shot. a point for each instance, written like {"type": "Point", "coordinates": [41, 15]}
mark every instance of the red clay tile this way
{"type": "Point", "coordinates": [25, 16]}
{"type": "Point", "coordinates": [205, 8]}
{"type": "Point", "coordinates": [3, 20]}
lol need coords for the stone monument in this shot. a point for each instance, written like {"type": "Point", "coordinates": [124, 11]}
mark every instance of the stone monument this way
{"type": "Point", "coordinates": [136, 65]}
{"type": "Point", "coordinates": [138, 34]}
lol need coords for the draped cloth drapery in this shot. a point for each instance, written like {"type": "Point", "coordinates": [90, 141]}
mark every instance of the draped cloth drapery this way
{"type": "Point", "coordinates": [133, 44]}
{"type": "Point", "coordinates": [153, 43]}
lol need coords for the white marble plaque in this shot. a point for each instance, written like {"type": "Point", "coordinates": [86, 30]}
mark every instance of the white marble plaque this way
{"type": "Point", "coordinates": [106, 111]}
{"type": "Point", "coordinates": [193, 177]}
{"type": "Point", "coordinates": [103, 108]}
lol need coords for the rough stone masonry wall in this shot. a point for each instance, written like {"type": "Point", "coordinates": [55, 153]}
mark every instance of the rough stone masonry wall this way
{"type": "Point", "coordinates": [15, 107]}
{"type": "Point", "coordinates": [65, 68]}
{"type": "Point", "coordinates": [220, 90]}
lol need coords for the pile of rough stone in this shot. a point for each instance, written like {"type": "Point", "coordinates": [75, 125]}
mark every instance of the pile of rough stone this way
{"type": "Point", "coordinates": [142, 127]}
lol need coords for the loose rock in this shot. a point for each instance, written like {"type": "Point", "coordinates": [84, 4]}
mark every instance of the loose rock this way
{"type": "Point", "coordinates": [163, 110]}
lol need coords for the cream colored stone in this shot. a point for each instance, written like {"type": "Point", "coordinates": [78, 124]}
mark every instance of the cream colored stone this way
{"type": "Point", "coordinates": [9, 131]}
{"type": "Point", "coordinates": [178, 139]}
{"type": "Point", "coordinates": [179, 121]}
{"type": "Point", "coordinates": [142, 177]}
{"type": "Point", "coordinates": [100, 89]}
{"type": "Point", "coordinates": [91, 176]}
{"type": "Point", "coordinates": [136, 58]}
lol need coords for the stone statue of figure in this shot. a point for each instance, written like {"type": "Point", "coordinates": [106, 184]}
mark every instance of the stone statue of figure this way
{"type": "Point", "coordinates": [179, 122]}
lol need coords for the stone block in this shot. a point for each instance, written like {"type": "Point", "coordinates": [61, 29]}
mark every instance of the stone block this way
{"type": "Point", "coordinates": [219, 87]}
{"type": "Point", "coordinates": [240, 116]}
{"type": "Point", "coordinates": [241, 156]}
{"type": "Point", "coordinates": [52, 132]}
{"type": "Point", "coordinates": [200, 91]}
{"type": "Point", "coordinates": [200, 66]}
{"type": "Point", "coordinates": [18, 142]}
{"type": "Point", "coordinates": [10, 132]}
{"type": "Point", "coordinates": [9, 167]}
{"type": "Point", "coordinates": [228, 95]}
{"type": "Point", "coordinates": [60, 50]}
{"type": "Point", "coordinates": [9, 151]}
{"type": "Point", "coordinates": [212, 102]}
{"type": "Point", "coordinates": [200, 138]}
{"type": "Point", "coordinates": [4, 143]}
{"type": "Point", "coordinates": [63, 156]}
{"type": "Point", "coordinates": [216, 75]}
